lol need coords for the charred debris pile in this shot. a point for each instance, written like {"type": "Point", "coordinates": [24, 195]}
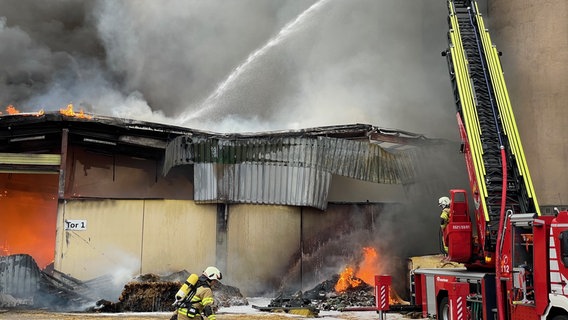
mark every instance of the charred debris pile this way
{"type": "Point", "coordinates": [151, 292]}
{"type": "Point", "coordinates": [24, 285]}
{"type": "Point", "coordinates": [325, 297]}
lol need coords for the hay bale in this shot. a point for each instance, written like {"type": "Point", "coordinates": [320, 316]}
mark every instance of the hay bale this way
{"type": "Point", "coordinates": [148, 296]}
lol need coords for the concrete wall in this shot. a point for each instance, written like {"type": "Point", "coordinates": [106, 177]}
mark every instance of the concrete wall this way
{"type": "Point", "coordinates": [533, 36]}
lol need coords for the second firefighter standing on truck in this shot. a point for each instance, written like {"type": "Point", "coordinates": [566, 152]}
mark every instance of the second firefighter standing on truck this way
{"type": "Point", "coordinates": [444, 203]}
{"type": "Point", "coordinates": [195, 298]}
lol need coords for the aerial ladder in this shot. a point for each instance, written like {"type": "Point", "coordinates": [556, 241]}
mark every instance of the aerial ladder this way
{"type": "Point", "coordinates": [516, 262]}
{"type": "Point", "coordinates": [499, 178]}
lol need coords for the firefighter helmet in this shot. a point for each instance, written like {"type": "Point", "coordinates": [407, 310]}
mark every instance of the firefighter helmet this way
{"type": "Point", "coordinates": [444, 202]}
{"type": "Point", "coordinates": [212, 273]}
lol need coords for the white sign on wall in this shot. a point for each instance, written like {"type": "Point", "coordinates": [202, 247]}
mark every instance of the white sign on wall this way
{"type": "Point", "coordinates": [75, 224]}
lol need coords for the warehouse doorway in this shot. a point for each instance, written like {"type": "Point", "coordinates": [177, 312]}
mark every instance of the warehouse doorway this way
{"type": "Point", "coordinates": [28, 215]}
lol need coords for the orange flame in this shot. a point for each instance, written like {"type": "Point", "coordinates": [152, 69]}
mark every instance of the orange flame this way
{"type": "Point", "coordinates": [394, 298]}
{"type": "Point", "coordinates": [347, 280]}
{"type": "Point", "coordinates": [11, 110]}
{"type": "Point", "coordinates": [70, 113]}
{"type": "Point", "coordinates": [369, 267]}
{"type": "Point", "coordinates": [21, 233]}
{"type": "Point", "coordinates": [365, 271]}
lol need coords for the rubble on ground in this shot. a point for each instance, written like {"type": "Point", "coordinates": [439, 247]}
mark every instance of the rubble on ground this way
{"type": "Point", "coordinates": [31, 287]}
{"type": "Point", "coordinates": [152, 293]}
{"type": "Point", "coordinates": [8, 301]}
{"type": "Point", "coordinates": [24, 285]}
{"type": "Point", "coordinates": [324, 297]}
{"type": "Point", "coordinates": [226, 296]}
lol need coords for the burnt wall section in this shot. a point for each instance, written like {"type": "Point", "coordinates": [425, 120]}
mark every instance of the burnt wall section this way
{"type": "Point", "coordinates": [99, 174]}
{"type": "Point", "coordinates": [333, 240]}
{"type": "Point", "coordinates": [221, 252]}
{"type": "Point", "coordinates": [348, 190]}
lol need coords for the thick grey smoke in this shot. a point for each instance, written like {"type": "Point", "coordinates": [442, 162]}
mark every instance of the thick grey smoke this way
{"type": "Point", "coordinates": [362, 61]}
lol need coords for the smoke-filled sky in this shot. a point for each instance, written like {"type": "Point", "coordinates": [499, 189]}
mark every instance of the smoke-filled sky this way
{"type": "Point", "coordinates": [232, 66]}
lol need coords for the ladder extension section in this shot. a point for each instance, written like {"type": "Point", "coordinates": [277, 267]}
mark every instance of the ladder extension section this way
{"type": "Point", "coordinates": [483, 105]}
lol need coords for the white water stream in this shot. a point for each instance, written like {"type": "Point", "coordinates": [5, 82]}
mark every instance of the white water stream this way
{"type": "Point", "coordinates": [210, 102]}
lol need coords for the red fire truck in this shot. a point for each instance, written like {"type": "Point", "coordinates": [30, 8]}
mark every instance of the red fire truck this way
{"type": "Point", "coordinates": [516, 260]}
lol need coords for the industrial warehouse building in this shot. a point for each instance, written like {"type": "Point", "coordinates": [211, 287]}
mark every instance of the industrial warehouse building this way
{"type": "Point", "coordinates": [92, 196]}
{"type": "Point", "coordinates": [112, 195]}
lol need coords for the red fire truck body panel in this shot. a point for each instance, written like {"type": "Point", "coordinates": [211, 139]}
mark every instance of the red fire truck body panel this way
{"type": "Point", "coordinates": [534, 276]}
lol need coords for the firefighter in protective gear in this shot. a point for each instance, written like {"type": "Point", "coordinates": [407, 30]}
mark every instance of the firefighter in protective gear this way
{"type": "Point", "coordinates": [444, 203]}
{"type": "Point", "coordinates": [201, 305]}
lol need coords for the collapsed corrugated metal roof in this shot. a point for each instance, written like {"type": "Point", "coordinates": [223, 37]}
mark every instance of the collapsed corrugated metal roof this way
{"type": "Point", "coordinates": [289, 167]}
{"type": "Point", "coordinates": [292, 167]}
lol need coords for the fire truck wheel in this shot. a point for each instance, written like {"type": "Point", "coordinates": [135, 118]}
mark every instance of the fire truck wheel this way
{"type": "Point", "coordinates": [560, 317]}
{"type": "Point", "coordinates": [444, 309]}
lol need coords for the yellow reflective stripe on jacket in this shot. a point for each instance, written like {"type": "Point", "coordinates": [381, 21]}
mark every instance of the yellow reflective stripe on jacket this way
{"type": "Point", "coordinates": [186, 312]}
{"type": "Point", "coordinates": [212, 317]}
{"type": "Point", "coordinates": [207, 301]}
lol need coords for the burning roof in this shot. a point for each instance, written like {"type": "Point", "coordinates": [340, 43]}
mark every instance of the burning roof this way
{"type": "Point", "coordinates": [221, 162]}
{"type": "Point", "coordinates": [17, 128]}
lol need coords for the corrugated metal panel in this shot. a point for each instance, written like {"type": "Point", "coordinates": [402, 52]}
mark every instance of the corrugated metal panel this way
{"type": "Point", "coordinates": [287, 170]}
{"type": "Point", "coordinates": [19, 276]}
{"type": "Point", "coordinates": [355, 159]}
{"type": "Point", "coordinates": [261, 184]}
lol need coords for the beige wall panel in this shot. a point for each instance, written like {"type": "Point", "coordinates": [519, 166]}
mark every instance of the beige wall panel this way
{"type": "Point", "coordinates": [178, 235]}
{"type": "Point", "coordinates": [533, 36]}
{"type": "Point", "coordinates": [111, 243]}
{"type": "Point", "coordinates": [261, 242]}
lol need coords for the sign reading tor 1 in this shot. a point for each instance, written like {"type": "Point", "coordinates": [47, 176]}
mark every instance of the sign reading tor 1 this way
{"type": "Point", "coordinates": [75, 224]}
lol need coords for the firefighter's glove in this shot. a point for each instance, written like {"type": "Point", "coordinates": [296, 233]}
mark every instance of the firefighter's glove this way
{"type": "Point", "coordinates": [208, 311]}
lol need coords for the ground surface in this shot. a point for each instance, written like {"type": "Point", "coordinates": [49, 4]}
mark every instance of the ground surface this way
{"type": "Point", "coordinates": [231, 313]}
{"type": "Point", "coordinates": [36, 315]}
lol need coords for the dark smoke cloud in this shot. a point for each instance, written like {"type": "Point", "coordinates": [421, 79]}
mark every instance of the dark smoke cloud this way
{"type": "Point", "coordinates": [363, 61]}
